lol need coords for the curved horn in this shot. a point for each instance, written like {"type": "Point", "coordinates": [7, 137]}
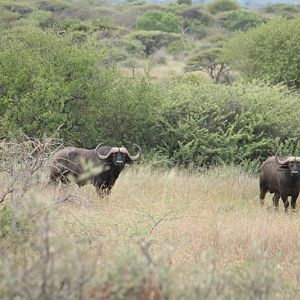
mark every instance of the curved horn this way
{"type": "Point", "coordinates": [139, 154]}
{"type": "Point", "coordinates": [102, 157]}
{"type": "Point", "coordinates": [282, 162]}
{"type": "Point", "coordinates": [124, 150]}
{"type": "Point", "coordinates": [96, 149]}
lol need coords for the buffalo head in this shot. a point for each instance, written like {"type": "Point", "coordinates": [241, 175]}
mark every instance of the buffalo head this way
{"type": "Point", "coordinates": [118, 157]}
{"type": "Point", "coordinates": [292, 164]}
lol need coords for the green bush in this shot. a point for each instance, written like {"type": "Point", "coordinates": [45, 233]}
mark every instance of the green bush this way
{"type": "Point", "coordinates": [21, 8]}
{"type": "Point", "coordinates": [8, 18]}
{"type": "Point", "coordinates": [242, 20]}
{"type": "Point", "coordinates": [56, 81]}
{"type": "Point", "coordinates": [158, 20]}
{"type": "Point", "coordinates": [194, 28]}
{"type": "Point", "coordinates": [203, 123]}
{"type": "Point", "coordinates": [184, 2]}
{"type": "Point", "coordinates": [194, 13]}
{"type": "Point", "coordinates": [155, 40]}
{"type": "Point", "coordinates": [222, 5]}
{"type": "Point", "coordinates": [269, 51]}
{"type": "Point", "coordinates": [53, 5]}
{"type": "Point", "coordinates": [282, 8]}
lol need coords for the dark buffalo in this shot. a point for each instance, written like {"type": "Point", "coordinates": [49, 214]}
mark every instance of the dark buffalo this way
{"type": "Point", "coordinates": [100, 166]}
{"type": "Point", "coordinates": [281, 176]}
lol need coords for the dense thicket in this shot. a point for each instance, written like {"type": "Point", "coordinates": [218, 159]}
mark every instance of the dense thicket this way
{"type": "Point", "coordinates": [46, 81]}
{"type": "Point", "coordinates": [270, 52]}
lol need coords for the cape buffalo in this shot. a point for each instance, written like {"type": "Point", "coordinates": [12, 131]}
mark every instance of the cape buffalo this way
{"type": "Point", "coordinates": [281, 176]}
{"type": "Point", "coordinates": [100, 166]}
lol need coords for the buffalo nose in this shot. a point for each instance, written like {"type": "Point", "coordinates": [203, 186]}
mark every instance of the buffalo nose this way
{"type": "Point", "coordinates": [295, 172]}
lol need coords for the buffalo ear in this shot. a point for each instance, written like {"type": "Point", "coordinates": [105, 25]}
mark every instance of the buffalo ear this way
{"type": "Point", "coordinates": [282, 168]}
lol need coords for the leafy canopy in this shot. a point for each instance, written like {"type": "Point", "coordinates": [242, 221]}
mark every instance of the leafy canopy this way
{"type": "Point", "coordinates": [158, 20]}
{"type": "Point", "coordinates": [270, 51]}
{"type": "Point", "coordinates": [222, 5]}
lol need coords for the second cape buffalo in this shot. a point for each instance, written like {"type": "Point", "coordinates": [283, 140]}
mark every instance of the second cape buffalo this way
{"type": "Point", "coordinates": [281, 176]}
{"type": "Point", "coordinates": [100, 166]}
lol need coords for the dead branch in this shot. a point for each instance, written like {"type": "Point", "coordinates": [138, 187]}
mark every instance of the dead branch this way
{"type": "Point", "coordinates": [2, 197]}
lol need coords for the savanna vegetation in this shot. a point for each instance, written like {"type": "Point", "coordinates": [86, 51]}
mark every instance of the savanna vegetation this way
{"type": "Point", "coordinates": [207, 90]}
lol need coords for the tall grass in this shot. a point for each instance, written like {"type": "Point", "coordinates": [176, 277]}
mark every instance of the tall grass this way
{"type": "Point", "coordinates": [161, 234]}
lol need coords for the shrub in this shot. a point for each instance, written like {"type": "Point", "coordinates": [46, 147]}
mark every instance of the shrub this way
{"type": "Point", "coordinates": [203, 123]}
{"type": "Point", "coordinates": [158, 20]}
{"type": "Point", "coordinates": [242, 20]}
{"type": "Point", "coordinates": [8, 18]}
{"type": "Point", "coordinates": [184, 2]}
{"type": "Point", "coordinates": [282, 9]}
{"type": "Point", "coordinates": [177, 46]}
{"type": "Point", "coordinates": [62, 82]}
{"type": "Point", "coordinates": [194, 28]}
{"type": "Point", "coordinates": [194, 13]}
{"type": "Point", "coordinates": [53, 5]}
{"type": "Point", "coordinates": [268, 52]}
{"type": "Point", "coordinates": [20, 8]}
{"type": "Point", "coordinates": [222, 5]}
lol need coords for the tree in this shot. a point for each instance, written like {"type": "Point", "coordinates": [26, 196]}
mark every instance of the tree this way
{"type": "Point", "coordinates": [270, 52]}
{"type": "Point", "coordinates": [222, 5]}
{"type": "Point", "coordinates": [184, 2]}
{"type": "Point", "coordinates": [211, 62]}
{"type": "Point", "coordinates": [242, 20]}
{"type": "Point", "coordinates": [158, 20]}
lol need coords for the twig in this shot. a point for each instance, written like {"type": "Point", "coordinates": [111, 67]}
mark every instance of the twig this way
{"type": "Point", "coordinates": [2, 197]}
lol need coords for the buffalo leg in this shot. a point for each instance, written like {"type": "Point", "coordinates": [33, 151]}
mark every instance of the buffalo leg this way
{"type": "Point", "coordinates": [285, 202]}
{"type": "Point", "coordinates": [276, 198]}
{"type": "Point", "coordinates": [103, 191]}
{"type": "Point", "coordinates": [294, 199]}
{"type": "Point", "coordinates": [262, 195]}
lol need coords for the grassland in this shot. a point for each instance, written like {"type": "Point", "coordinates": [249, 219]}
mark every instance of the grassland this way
{"type": "Point", "coordinates": [160, 235]}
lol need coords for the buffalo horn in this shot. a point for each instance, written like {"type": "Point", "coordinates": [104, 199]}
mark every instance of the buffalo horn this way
{"type": "Point", "coordinates": [280, 162]}
{"type": "Point", "coordinates": [103, 157]}
{"type": "Point", "coordinates": [124, 150]}
{"type": "Point", "coordinates": [139, 154]}
{"type": "Point", "coordinates": [288, 160]}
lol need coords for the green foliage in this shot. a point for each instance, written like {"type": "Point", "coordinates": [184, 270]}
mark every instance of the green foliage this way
{"type": "Point", "coordinates": [194, 28]}
{"type": "Point", "coordinates": [177, 46]}
{"type": "Point", "coordinates": [158, 20]}
{"type": "Point", "coordinates": [222, 5]}
{"type": "Point", "coordinates": [8, 18]}
{"type": "Point", "coordinates": [269, 52]}
{"type": "Point", "coordinates": [203, 123]}
{"type": "Point", "coordinates": [184, 2]}
{"type": "Point", "coordinates": [154, 40]}
{"type": "Point", "coordinates": [56, 82]}
{"type": "Point", "coordinates": [48, 87]}
{"type": "Point", "coordinates": [18, 7]}
{"type": "Point", "coordinates": [210, 61]}
{"type": "Point", "coordinates": [282, 8]}
{"type": "Point", "coordinates": [206, 58]}
{"type": "Point", "coordinates": [53, 5]}
{"type": "Point", "coordinates": [197, 14]}
{"type": "Point", "coordinates": [242, 20]}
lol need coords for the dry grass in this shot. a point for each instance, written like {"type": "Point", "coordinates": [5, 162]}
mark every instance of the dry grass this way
{"type": "Point", "coordinates": [188, 213]}
{"type": "Point", "coordinates": [185, 215]}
